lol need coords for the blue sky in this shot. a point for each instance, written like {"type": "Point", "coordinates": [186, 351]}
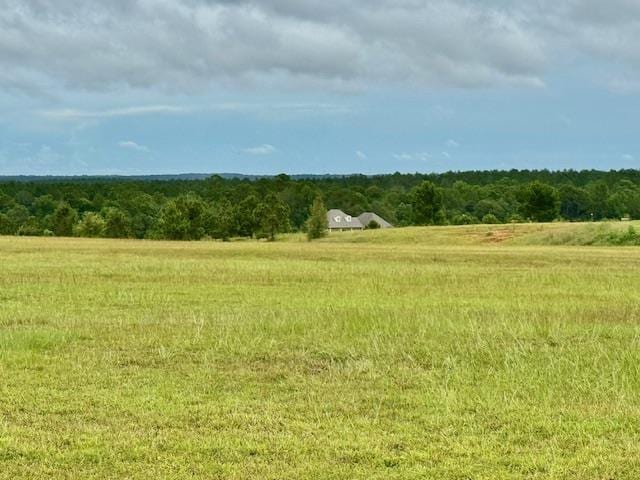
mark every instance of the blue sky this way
{"type": "Point", "coordinates": [173, 86]}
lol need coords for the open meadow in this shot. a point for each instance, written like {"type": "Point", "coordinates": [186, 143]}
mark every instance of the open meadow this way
{"type": "Point", "coordinates": [447, 353]}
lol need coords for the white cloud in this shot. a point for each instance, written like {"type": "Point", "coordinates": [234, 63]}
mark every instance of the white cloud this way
{"type": "Point", "coordinates": [361, 155]}
{"type": "Point", "coordinates": [446, 154]}
{"type": "Point", "coordinates": [413, 157]}
{"type": "Point", "coordinates": [71, 114]}
{"type": "Point", "coordinates": [261, 150]}
{"type": "Point", "coordinates": [452, 144]}
{"type": "Point", "coordinates": [130, 145]}
{"type": "Point", "coordinates": [184, 45]}
{"type": "Point", "coordinates": [259, 109]}
{"type": "Point", "coordinates": [628, 157]}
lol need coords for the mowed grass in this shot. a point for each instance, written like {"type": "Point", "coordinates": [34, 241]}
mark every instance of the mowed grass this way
{"type": "Point", "coordinates": [457, 357]}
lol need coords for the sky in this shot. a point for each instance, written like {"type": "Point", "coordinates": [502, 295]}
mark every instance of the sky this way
{"type": "Point", "coordinates": [132, 87]}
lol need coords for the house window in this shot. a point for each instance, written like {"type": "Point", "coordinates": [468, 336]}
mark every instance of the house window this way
{"type": "Point", "coordinates": [337, 219]}
{"type": "Point", "coordinates": [348, 218]}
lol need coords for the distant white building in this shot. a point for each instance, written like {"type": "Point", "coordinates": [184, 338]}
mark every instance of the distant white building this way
{"type": "Point", "coordinates": [339, 221]}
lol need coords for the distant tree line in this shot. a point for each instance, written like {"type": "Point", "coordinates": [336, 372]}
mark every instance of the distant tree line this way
{"type": "Point", "coordinates": [262, 208]}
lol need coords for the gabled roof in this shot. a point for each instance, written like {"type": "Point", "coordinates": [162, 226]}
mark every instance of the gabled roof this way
{"type": "Point", "coordinates": [338, 219]}
{"type": "Point", "coordinates": [366, 217]}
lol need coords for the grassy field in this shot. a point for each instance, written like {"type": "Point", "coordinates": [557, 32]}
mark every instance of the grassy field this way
{"type": "Point", "coordinates": [444, 353]}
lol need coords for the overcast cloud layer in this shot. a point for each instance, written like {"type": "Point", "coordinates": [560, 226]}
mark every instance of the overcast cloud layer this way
{"type": "Point", "coordinates": [186, 45]}
{"type": "Point", "coordinates": [87, 68]}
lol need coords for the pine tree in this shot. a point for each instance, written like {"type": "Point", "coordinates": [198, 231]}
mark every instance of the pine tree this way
{"type": "Point", "coordinates": [317, 223]}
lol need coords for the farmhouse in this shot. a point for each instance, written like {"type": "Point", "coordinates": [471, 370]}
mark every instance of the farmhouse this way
{"type": "Point", "coordinates": [367, 217]}
{"type": "Point", "coordinates": [339, 221]}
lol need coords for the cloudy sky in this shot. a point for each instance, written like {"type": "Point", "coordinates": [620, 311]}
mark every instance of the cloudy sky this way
{"type": "Point", "coordinates": [317, 86]}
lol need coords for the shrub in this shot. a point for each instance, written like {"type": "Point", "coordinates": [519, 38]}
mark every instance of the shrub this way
{"type": "Point", "coordinates": [464, 219]}
{"type": "Point", "coordinates": [490, 219]}
{"type": "Point", "coordinates": [372, 225]}
{"type": "Point", "coordinates": [30, 228]}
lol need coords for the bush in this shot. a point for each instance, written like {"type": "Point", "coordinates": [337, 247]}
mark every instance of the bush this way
{"type": "Point", "coordinates": [464, 219]}
{"type": "Point", "coordinates": [372, 225]}
{"type": "Point", "coordinates": [630, 237]}
{"type": "Point", "coordinates": [490, 219]}
{"type": "Point", "coordinates": [30, 228]}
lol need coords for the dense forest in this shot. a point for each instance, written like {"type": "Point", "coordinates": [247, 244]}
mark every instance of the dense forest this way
{"type": "Point", "coordinates": [223, 208]}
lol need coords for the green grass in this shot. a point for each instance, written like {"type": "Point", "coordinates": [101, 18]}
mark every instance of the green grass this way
{"type": "Point", "coordinates": [445, 353]}
{"type": "Point", "coordinates": [587, 234]}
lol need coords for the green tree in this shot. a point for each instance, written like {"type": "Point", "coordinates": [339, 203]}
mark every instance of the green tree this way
{"type": "Point", "coordinates": [31, 228]}
{"type": "Point", "coordinates": [247, 222]}
{"type": "Point", "coordinates": [63, 219]}
{"type": "Point", "coordinates": [404, 214]}
{"type": "Point", "coordinates": [117, 223]}
{"type": "Point", "coordinates": [625, 201]}
{"type": "Point", "coordinates": [317, 224]}
{"type": "Point", "coordinates": [273, 216]}
{"type": "Point", "coordinates": [6, 202]}
{"type": "Point", "coordinates": [489, 206]}
{"type": "Point", "coordinates": [172, 223]}
{"type": "Point", "coordinates": [18, 216]}
{"type": "Point", "coordinates": [91, 225]}
{"type": "Point", "coordinates": [24, 197]}
{"type": "Point", "coordinates": [44, 205]}
{"type": "Point", "coordinates": [143, 210]}
{"type": "Point", "coordinates": [183, 218]}
{"type": "Point", "coordinates": [427, 202]}
{"type": "Point", "coordinates": [6, 226]}
{"type": "Point", "coordinates": [574, 202]}
{"type": "Point", "coordinates": [541, 202]}
{"type": "Point", "coordinates": [598, 200]}
{"type": "Point", "coordinates": [223, 223]}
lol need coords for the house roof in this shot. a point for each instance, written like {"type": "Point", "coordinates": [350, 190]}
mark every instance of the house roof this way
{"type": "Point", "coordinates": [367, 217]}
{"type": "Point", "coordinates": [338, 219]}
